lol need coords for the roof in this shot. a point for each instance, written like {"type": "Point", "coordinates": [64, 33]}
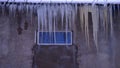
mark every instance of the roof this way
{"type": "Point", "coordinates": [66, 1]}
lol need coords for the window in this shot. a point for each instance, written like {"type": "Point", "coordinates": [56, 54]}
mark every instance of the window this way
{"type": "Point", "coordinates": [55, 38]}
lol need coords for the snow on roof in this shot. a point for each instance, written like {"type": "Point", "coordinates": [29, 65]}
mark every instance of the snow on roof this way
{"type": "Point", "coordinates": [66, 1]}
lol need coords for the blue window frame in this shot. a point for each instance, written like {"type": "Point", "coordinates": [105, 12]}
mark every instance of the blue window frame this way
{"type": "Point", "coordinates": [55, 38]}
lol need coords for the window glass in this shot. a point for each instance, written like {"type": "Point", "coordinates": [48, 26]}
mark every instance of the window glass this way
{"type": "Point", "coordinates": [55, 38]}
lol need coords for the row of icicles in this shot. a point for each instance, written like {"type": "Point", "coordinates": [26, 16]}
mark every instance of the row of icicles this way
{"type": "Point", "coordinates": [53, 18]}
{"type": "Point", "coordinates": [31, 8]}
{"type": "Point", "coordinates": [48, 17]}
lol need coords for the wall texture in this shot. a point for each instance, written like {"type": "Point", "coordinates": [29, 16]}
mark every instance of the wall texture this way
{"type": "Point", "coordinates": [16, 50]}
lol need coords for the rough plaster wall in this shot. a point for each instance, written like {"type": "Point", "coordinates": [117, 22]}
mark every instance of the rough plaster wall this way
{"type": "Point", "coordinates": [4, 36]}
{"type": "Point", "coordinates": [54, 57]}
{"type": "Point", "coordinates": [16, 50]}
{"type": "Point", "coordinates": [117, 40]}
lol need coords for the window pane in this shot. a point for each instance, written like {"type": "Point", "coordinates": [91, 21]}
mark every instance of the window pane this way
{"type": "Point", "coordinates": [57, 38]}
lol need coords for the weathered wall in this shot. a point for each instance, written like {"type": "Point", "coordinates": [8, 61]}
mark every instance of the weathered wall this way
{"type": "Point", "coordinates": [117, 40]}
{"type": "Point", "coordinates": [16, 50]}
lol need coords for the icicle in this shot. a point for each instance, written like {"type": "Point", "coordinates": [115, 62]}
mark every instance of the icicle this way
{"type": "Point", "coordinates": [86, 26]}
{"type": "Point", "coordinates": [54, 21]}
{"type": "Point", "coordinates": [39, 18]}
{"type": "Point", "coordinates": [0, 9]}
{"type": "Point", "coordinates": [111, 20]}
{"type": "Point", "coordinates": [95, 20]}
{"type": "Point", "coordinates": [82, 17]}
{"type": "Point", "coordinates": [51, 22]}
{"type": "Point", "coordinates": [93, 3]}
{"type": "Point", "coordinates": [66, 21]}
{"type": "Point", "coordinates": [73, 13]}
{"type": "Point", "coordinates": [70, 17]}
{"type": "Point", "coordinates": [113, 43]}
{"type": "Point", "coordinates": [62, 15]}
{"type": "Point", "coordinates": [19, 7]}
{"type": "Point", "coordinates": [10, 10]}
{"type": "Point", "coordinates": [69, 20]}
{"type": "Point", "coordinates": [35, 37]}
{"type": "Point", "coordinates": [73, 17]}
{"type": "Point", "coordinates": [0, 4]}
{"type": "Point", "coordinates": [3, 10]}
{"type": "Point", "coordinates": [114, 10]}
{"type": "Point", "coordinates": [76, 7]}
{"type": "Point", "coordinates": [45, 18]}
{"type": "Point", "coordinates": [27, 9]}
{"type": "Point", "coordinates": [106, 20]}
{"type": "Point", "coordinates": [105, 3]}
{"type": "Point", "coordinates": [23, 9]}
{"type": "Point", "coordinates": [118, 8]}
{"type": "Point", "coordinates": [42, 21]}
{"type": "Point", "coordinates": [15, 8]}
{"type": "Point", "coordinates": [66, 17]}
{"type": "Point", "coordinates": [31, 14]}
{"type": "Point", "coordinates": [49, 9]}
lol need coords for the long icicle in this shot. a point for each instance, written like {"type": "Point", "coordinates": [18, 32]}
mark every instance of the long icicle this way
{"type": "Point", "coordinates": [66, 17]}
{"type": "Point", "coordinates": [112, 34]}
{"type": "Point", "coordinates": [106, 21]}
{"type": "Point", "coordinates": [42, 22]}
{"type": "Point", "coordinates": [31, 14]}
{"type": "Point", "coordinates": [50, 21]}
{"type": "Point", "coordinates": [54, 20]}
{"type": "Point", "coordinates": [86, 26]}
{"type": "Point", "coordinates": [73, 18]}
{"type": "Point", "coordinates": [114, 9]}
{"type": "Point", "coordinates": [76, 8]}
{"type": "Point", "coordinates": [118, 9]}
{"type": "Point", "coordinates": [111, 20]}
{"type": "Point", "coordinates": [10, 12]}
{"type": "Point", "coordinates": [95, 26]}
{"type": "Point", "coordinates": [45, 17]}
{"type": "Point", "coordinates": [62, 15]}
{"type": "Point", "coordinates": [70, 18]}
{"type": "Point", "coordinates": [38, 13]}
{"type": "Point", "coordinates": [82, 18]}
